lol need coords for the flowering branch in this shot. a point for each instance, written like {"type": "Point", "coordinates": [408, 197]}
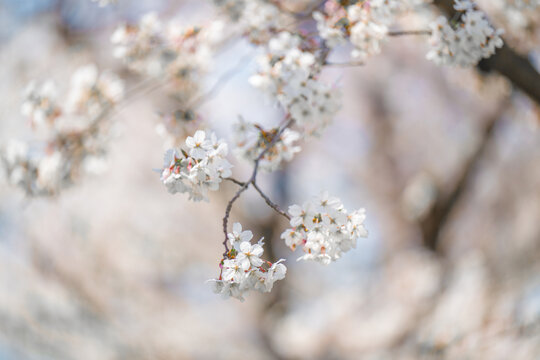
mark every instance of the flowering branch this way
{"type": "Point", "coordinates": [251, 180]}
{"type": "Point", "coordinates": [515, 67]}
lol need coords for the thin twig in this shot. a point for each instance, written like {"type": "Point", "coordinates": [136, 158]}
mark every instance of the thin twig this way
{"type": "Point", "coordinates": [263, 195]}
{"type": "Point", "coordinates": [409, 32]}
{"type": "Point", "coordinates": [222, 81]}
{"type": "Point", "coordinates": [237, 182]}
{"type": "Point", "coordinates": [143, 88]}
{"type": "Point", "coordinates": [269, 202]}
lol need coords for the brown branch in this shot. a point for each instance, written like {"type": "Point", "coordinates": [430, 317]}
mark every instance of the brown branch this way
{"type": "Point", "coordinates": [267, 199]}
{"type": "Point", "coordinates": [408, 32]}
{"type": "Point", "coordinates": [269, 202]}
{"type": "Point", "coordinates": [233, 180]}
{"type": "Point", "coordinates": [515, 67]}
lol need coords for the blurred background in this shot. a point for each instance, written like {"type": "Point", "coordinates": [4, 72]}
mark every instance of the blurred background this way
{"type": "Point", "coordinates": [446, 161]}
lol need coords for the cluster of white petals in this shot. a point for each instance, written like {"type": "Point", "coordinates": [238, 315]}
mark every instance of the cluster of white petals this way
{"type": "Point", "coordinates": [324, 229]}
{"type": "Point", "coordinates": [173, 49]}
{"type": "Point", "coordinates": [289, 74]}
{"type": "Point", "coordinates": [257, 19]}
{"type": "Point", "coordinates": [364, 23]}
{"type": "Point", "coordinates": [179, 54]}
{"type": "Point", "coordinates": [140, 46]}
{"type": "Point", "coordinates": [466, 43]}
{"type": "Point", "coordinates": [39, 104]}
{"type": "Point", "coordinates": [35, 174]}
{"type": "Point", "coordinates": [367, 29]}
{"type": "Point", "coordinates": [90, 90]}
{"type": "Point", "coordinates": [74, 130]}
{"type": "Point", "coordinates": [251, 140]}
{"type": "Point", "coordinates": [243, 269]}
{"type": "Point", "coordinates": [198, 169]}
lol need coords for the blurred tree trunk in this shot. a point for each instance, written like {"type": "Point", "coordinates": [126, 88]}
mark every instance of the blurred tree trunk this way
{"type": "Point", "coordinates": [437, 219]}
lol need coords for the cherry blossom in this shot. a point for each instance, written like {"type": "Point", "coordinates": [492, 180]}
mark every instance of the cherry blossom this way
{"type": "Point", "coordinates": [324, 229]}
{"type": "Point", "coordinates": [243, 269]}
{"type": "Point", "coordinates": [200, 170]}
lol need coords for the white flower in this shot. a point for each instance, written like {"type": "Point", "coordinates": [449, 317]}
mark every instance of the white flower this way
{"type": "Point", "coordinates": [243, 269]}
{"type": "Point", "coordinates": [40, 104]}
{"type": "Point", "coordinates": [326, 203]}
{"type": "Point", "coordinates": [201, 170]}
{"type": "Point", "coordinates": [324, 229]}
{"type": "Point", "coordinates": [249, 255]}
{"type": "Point", "coordinates": [198, 145]}
{"type": "Point", "coordinates": [366, 38]}
{"type": "Point", "coordinates": [91, 92]}
{"type": "Point", "coordinates": [258, 19]}
{"type": "Point", "coordinates": [464, 45]}
{"type": "Point", "coordinates": [333, 36]}
{"type": "Point", "coordinates": [238, 236]}
{"type": "Point", "coordinates": [139, 46]}
{"type": "Point", "coordinates": [49, 172]}
{"type": "Point", "coordinates": [288, 73]}
{"type": "Point", "coordinates": [267, 279]}
{"type": "Point", "coordinates": [232, 271]}
{"type": "Point", "coordinates": [252, 140]}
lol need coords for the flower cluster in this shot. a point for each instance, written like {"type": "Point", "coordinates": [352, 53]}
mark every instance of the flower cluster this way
{"type": "Point", "coordinates": [243, 269]}
{"type": "Point", "coordinates": [364, 23]}
{"type": "Point", "coordinates": [199, 169]}
{"type": "Point", "coordinates": [257, 19]}
{"type": "Point", "coordinates": [91, 91]}
{"type": "Point", "coordinates": [75, 132]}
{"type": "Point", "coordinates": [179, 54]}
{"type": "Point", "coordinates": [39, 104]}
{"type": "Point", "coordinates": [251, 140]}
{"type": "Point", "coordinates": [140, 46]}
{"type": "Point", "coordinates": [324, 229]}
{"type": "Point", "coordinates": [35, 175]}
{"type": "Point", "coordinates": [178, 51]}
{"type": "Point", "coordinates": [465, 44]}
{"type": "Point", "coordinates": [289, 74]}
